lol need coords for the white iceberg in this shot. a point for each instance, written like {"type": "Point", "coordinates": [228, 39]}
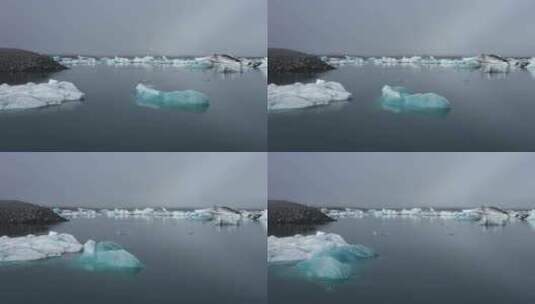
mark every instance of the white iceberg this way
{"type": "Point", "coordinates": [217, 215]}
{"type": "Point", "coordinates": [490, 216]}
{"type": "Point", "coordinates": [31, 247]}
{"type": "Point", "coordinates": [400, 99]}
{"type": "Point", "coordinates": [104, 256]}
{"type": "Point", "coordinates": [299, 95]}
{"type": "Point", "coordinates": [33, 95]}
{"type": "Point", "coordinates": [188, 100]}
{"type": "Point", "coordinates": [324, 256]}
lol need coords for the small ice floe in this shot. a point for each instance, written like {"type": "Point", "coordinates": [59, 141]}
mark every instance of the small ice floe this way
{"type": "Point", "coordinates": [230, 64]}
{"type": "Point", "coordinates": [299, 95]}
{"type": "Point", "coordinates": [31, 95]}
{"type": "Point", "coordinates": [492, 216]}
{"type": "Point", "coordinates": [106, 256]}
{"type": "Point", "coordinates": [324, 256]}
{"type": "Point", "coordinates": [32, 247]}
{"type": "Point", "coordinates": [399, 99]}
{"type": "Point", "coordinates": [187, 100]}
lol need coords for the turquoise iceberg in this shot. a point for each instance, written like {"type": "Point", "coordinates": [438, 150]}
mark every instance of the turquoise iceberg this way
{"type": "Point", "coordinates": [107, 256]}
{"type": "Point", "coordinates": [399, 99]}
{"type": "Point", "coordinates": [321, 256]}
{"type": "Point", "coordinates": [188, 100]}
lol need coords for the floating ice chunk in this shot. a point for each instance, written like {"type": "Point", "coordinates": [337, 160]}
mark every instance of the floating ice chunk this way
{"type": "Point", "coordinates": [491, 216]}
{"type": "Point", "coordinates": [325, 256]}
{"type": "Point", "coordinates": [298, 95]}
{"type": "Point", "coordinates": [188, 100]}
{"type": "Point", "coordinates": [496, 68]}
{"type": "Point", "coordinates": [31, 247]}
{"type": "Point", "coordinates": [33, 95]}
{"type": "Point", "coordinates": [303, 247]}
{"type": "Point", "coordinates": [400, 99]}
{"type": "Point", "coordinates": [103, 256]}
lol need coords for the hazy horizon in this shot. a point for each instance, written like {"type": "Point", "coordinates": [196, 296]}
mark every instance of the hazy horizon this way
{"type": "Point", "coordinates": [403, 180]}
{"type": "Point", "coordinates": [129, 180]}
{"type": "Point", "coordinates": [394, 28]}
{"type": "Point", "coordinates": [135, 27]}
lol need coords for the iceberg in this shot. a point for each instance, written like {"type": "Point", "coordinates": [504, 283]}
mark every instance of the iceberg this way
{"type": "Point", "coordinates": [31, 247]}
{"type": "Point", "coordinates": [218, 215]}
{"type": "Point", "coordinates": [298, 95]}
{"type": "Point", "coordinates": [188, 100]}
{"type": "Point", "coordinates": [399, 99]}
{"type": "Point", "coordinates": [324, 256]}
{"type": "Point", "coordinates": [104, 256]}
{"type": "Point", "coordinates": [491, 216]}
{"type": "Point", "coordinates": [31, 95]}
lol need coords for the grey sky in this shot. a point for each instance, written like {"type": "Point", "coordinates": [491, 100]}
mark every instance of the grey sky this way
{"type": "Point", "coordinates": [135, 179]}
{"type": "Point", "coordinates": [130, 27]}
{"type": "Point", "coordinates": [403, 179]}
{"type": "Point", "coordinates": [389, 27]}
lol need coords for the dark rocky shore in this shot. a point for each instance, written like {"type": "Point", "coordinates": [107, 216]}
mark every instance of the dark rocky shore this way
{"type": "Point", "coordinates": [289, 61]}
{"type": "Point", "coordinates": [288, 218]}
{"type": "Point", "coordinates": [284, 212]}
{"type": "Point", "coordinates": [22, 213]}
{"type": "Point", "coordinates": [15, 61]}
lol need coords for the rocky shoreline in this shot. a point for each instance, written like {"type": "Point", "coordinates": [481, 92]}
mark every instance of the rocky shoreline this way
{"type": "Point", "coordinates": [16, 61]}
{"type": "Point", "coordinates": [290, 61]}
{"type": "Point", "coordinates": [22, 213]}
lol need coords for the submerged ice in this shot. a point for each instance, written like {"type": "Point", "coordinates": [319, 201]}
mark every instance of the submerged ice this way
{"type": "Point", "coordinates": [102, 256]}
{"type": "Point", "coordinates": [31, 95]}
{"type": "Point", "coordinates": [324, 256]}
{"type": "Point", "coordinates": [400, 99]}
{"type": "Point", "coordinates": [299, 95]}
{"type": "Point", "coordinates": [189, 100]}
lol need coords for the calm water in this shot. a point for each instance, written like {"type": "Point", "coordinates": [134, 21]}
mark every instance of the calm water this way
{"type": "Point", "coordinates": [487, 114]}
{"type": "Point", "coordinates": [425, 261]}
{"type": "Point", "coordinates": [110, 120]}
{"type": "Point", "coordinates": [185, 262]}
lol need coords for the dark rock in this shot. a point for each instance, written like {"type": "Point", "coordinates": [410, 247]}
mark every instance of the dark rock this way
{"type": "Point", "coordinates": [15, 60]}
{"type": "Point", "coordinates": [284, 212]}
{"type": "Point", "coordinates": [22, 213]}
{"type": "Point", "coordinates": [289, 61]}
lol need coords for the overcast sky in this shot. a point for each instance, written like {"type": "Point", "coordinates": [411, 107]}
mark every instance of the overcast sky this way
{"type": "Point", "coordinates": [389, 27]}
{"type": "Point", "coordinates": [135, 179]}
{"type": "Point", "coordinates": [104, 27]}
{"type": "Point", "coordinates": [404, 179]}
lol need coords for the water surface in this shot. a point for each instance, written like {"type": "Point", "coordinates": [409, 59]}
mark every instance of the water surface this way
{"type": "Point", "coordinates": [488, 112]}
{"type": "Point", "coordinates": [184, 262]}
{"type": "Point", "coordinates": [109, 119]}
{"type": "Point", "coordinates": [423, 261]}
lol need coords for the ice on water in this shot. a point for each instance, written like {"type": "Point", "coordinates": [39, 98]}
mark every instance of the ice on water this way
{"type": "Point", "coordinates": [324, 256]}
{"type": "Point", "coordinates": [94, 255]}
{"type": "Point", "coordinates": [487, 216]}
{"type": "Point", "coordinates": [400, 99]}
{"type": "Point", "coordinates": [32, 95]}
{"type": "Point", "coordinates": [490, 64]}
{"type": "Point", "coordinates": [216, 215]}
{"type": "Point", "coordinates": [218, 62]}
{"type": "Point", "coordinates": [32, 247]}
{"type": "Point", "coordinates": [189, 100]}
{"type": "Point", "coordinates": [102, 256]}
{"type": "Point", "coordinates": [299, 95]}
